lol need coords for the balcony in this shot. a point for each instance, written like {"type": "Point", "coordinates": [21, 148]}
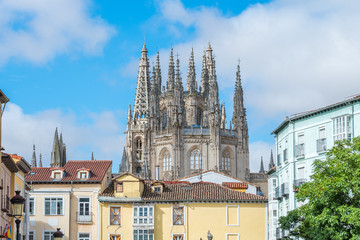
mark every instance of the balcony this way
{"type": "Point", "coordinates": [321, 145]}
{"type": "Point", "coordinates": [285, 189]}
{"type": "Point", "coordinates": [196, 131]}
{"type": "Point", "coordinates": [85, 218]}
{"type": "Point", "coordinates": [300, 150]}
{"type": "Point", "coordinates": [278, 233]}
{"type": "Point", "coordinates": [298, 183]}
{"type": "Point", "coordinates": [5, 204]}
{"type": "Point", "coordinates": [277, 194]}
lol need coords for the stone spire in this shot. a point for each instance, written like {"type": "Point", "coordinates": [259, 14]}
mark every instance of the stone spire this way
{"type": "Point", "coordinates": [124, 165]}
{"type": "Point", "coordinates": [157, 76]}
{"type": "Point", "coordinates": [223, 116]}
{"type": "Point", "coordinates": [40, 161]}
{"type": "Point", "coordinates": [62, 151]}
{"type": "Point", "coordinates": [191, 77]}
{"type": "Point", "coordinates": [171, 74]}
{"type": "Point", "coordinates": [204, 78]}
{"type": "Point", "coordinates": [213, 99]}
{"type": "Point", "coordinates": [262, 170]}
{"type": "Point", "coordinates": [33, 160]}
{"type": "Point", "coordinates": [129, 117]}
{"type": "Point", "coordinates": [239, 115]}
{"type": "Point", "coordinates": [177, 74]}
{"type": "Point", "coordinates": [141, 107]}
{"type": "Point", "coordinates": [271, 164]}
{"type": "Point", "coordinates": [92, 156]}
{"type": "Point", "coordinates": [55, 154]}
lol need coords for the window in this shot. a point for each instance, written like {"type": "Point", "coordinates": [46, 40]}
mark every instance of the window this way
{"type": "Point", "coordinates": [115, 215]}
{"type": "Point", "coordinates": [198, 116]}
{"type": "Point", "coordinates": [274, 213]}
{"type": "Point", "coordinates": [84, 214]}
{"type": "Point", "coordinates": [115, 237]}
{"type": "Point", "coordinates": [225, 161]}
{"type": "Point", "coordinates": [53, 206]}
{"type": "Point", "coordinates": [31, 235]}
{"type": "Point", "coordinates": [195, 159]}
{"type": "Point", "coordinates": [48, 235]}
{"type": "Point", "coordinates": [299, 148]}
{"type": "Point", "coordinates": [157, 189]}
{"type": "Point", "coordinates": [285, 153]}
{"type": "Point", "coordinates": [31, 206]}
{"type": "Point", "coordinates": [321, 142]}
{"type": "Point", "coordinates": [119, 187]}
{"type": "Point", "coordinates": [279, 159]}
{"type": "Point", "coordinates": [138, 149]}
{"type": "Point", "coordinates": [140, 234]}
{"type": "Point", "coordinates": [178, 237]}
{"type": "Point", "coordinates": [178, 215]}
{"type": "Point", "coordinates": [167, 161]}
{"type": "Point", "coordinates": [57, 175]}
{"type": "Point", "coordinates": [84, 236]}
{"type": "Point", "coordinates": [164, 119]}
{"type": "Point", "coordinates": [342, 128]}
{"type": "Point", "coordinates": [83, 175]}
{"type": "Point", "coordinates": [143, 215]}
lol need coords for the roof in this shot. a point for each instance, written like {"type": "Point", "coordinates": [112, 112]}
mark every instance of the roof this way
{"type": "Point", "coordinates": [3, 97]}
{"type": "Point", "coordinates": [98, 169]}
{"type": "Point", "coordinates": [306, 114]}
{"type": "Point", "coordinates": [185, 191]}
{"type": "Point", "coordinates": [9, 162]}
{"type": "Point", "coordinates": [235, 185]}
{"type": "Point", "coordinates": [21, 163]}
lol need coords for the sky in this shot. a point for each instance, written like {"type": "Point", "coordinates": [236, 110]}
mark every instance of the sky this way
{"type": "Point", "coordinates": [73, 64]}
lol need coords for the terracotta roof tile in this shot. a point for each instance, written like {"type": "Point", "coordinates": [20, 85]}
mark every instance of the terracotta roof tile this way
{"type": "Point", "coordinates": [235, 185]}
{"type": "Point", "coordinates": [184, 191]}
{"type": "Point", "coordinates": [98, 169]}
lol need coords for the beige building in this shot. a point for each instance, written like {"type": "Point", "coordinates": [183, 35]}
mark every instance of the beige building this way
{"type": "Point", "coordinates": [67, 198]}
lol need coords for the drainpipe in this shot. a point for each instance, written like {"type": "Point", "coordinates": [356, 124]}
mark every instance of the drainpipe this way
{"type": "Point", "coordinates": [207, 155]}
{"type": "Point", "coordinates": [236, 162]}
{"type": "Point", "coordinates": [71, 189]}
{"type": "Point", "coordinates": [294, 159]}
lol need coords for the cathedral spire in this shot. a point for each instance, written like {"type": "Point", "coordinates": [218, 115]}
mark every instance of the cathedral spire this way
{"type": "Point", "coordinates": [262, 170]}
{"type": "Point", "coordinates": [92, 156]}
{"type": "Point", "coordinates": [141, 107]}
{"type": "Point", "coordinates": [239, 110]}
{"type": "Point", "coordinates": [129, 117]}
{"type": "Point", "coordinates": [40, 161]}
{"type": "Point", "coordinates": [55, 154]}
{"type": "Point", "coordinates": [33, 160]}
{"type": "Point", "coordinates": [191, 77]}
{"type": "Point", "coordinates": [124, 165]}
{"type": "Point", "coordinates": [171, 74]}
{"type": "Point", "coordinates": [177, 74]}
{"type": "Point", "coordinates": [271, 164]}
{"type": "Point", "coordinates": [223, 116]}
{"type": "Point", "coordinates": [158, 73]}
{"type": "Point", "coordinates": [204, 77]}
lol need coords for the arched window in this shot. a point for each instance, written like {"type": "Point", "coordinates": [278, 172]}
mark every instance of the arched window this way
{"type": "Point", "coordinates": [164, 119]}
{"type": "Point", "coordinates": [225, 161]}
{"type": "Point", "coordinates": [166, 161]}
{"type": "Point", "coordinates": [199, 116]}
{"type": "Point", "coordinates": [195, 159]}
{"type": "Point", "coordinates": [138, 149]}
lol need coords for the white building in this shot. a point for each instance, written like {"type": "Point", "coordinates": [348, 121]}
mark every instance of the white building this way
{"type": "Point", "coordinates": [301, 139]}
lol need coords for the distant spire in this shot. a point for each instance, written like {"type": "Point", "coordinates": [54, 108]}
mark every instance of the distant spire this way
{"type": "Point", "coordinates": [171, 73]}
{"type": "Point", "coordinates": [262, 170]}
{"type": "Point", "coordinates": [124, 165]}
{"type": "Point", "coordinates": [92, 156]}
{"type": "Point", "coordinates": [191, 77]}
{"type": "Point", "coordinates": [55, 154]}
{"type": "Point", "coordinates": [129, 117]}
{"type": "Point", "coordinates": [271, 164]}
{"type": "Point", "coordinates": [158, 73]}
{"type": "Point", "coordinates": [33, 160]}
{"type": "Point", "coordinates": [223, 116]}
{"type": "Point", "coordinates": [177, 74]}
{"type": "Point", "coordinates": [204, 77]}
{"type": "Point", "coordinates": [40, 161]}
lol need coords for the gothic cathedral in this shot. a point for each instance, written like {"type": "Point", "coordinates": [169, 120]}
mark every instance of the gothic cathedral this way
{"type": "Point", "coordinates": [172, 132]}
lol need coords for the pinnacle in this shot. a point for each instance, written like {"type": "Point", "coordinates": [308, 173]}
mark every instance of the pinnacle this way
{"type": "Point", "coordinates": [144, 48]}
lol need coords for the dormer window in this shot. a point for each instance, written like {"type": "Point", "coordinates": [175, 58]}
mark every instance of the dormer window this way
{"type": "Point", "coordinates": [119, 187]}
{"type": "Point", "coordinates": [83, 174]}
{"type": "Point", "coordinates": [57, 174]}
{"type": "Point", "coordinates": [157, 189]}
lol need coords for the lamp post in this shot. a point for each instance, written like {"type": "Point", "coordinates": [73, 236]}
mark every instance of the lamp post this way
{"type": "Point", "coordinates": [17, 203]}
{"type": "Point", "coordinates": [58, 235]}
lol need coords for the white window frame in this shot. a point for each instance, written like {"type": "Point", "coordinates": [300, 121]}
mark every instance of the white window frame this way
{"type": "Point", "coordinates": [166, 160]}
{"type": "Point", "coordinates": [78, 236]}
{"type": "Point", "coordinates": [137, 217]}
{"type": "Point", "coordinates": [80, 203]}
{"type": "Point", "coordinates": [121, 216]}
{"type": "Point", "coordinates": [172, 215]}
{"type": "Point", "coordinates": [82, 172]}
{"type": "Point", "coordinates": [346, 128]}
{"type": "Point", "coordinates": [238, 216]}
{"type": "Point", "coordinates": [57, 171]}
{"type": "Point", "coordinates": [226, 235]}
{"type": "Point", "coordinates": [63, 206]}
{"type": "Point", "coordinates": [144, 229]}
{"type": "Point", "coordinates": [172, 235]}
{"type": "Point", "coordinates": [34, 207]}
{"type": "Point", "coordinates": [34, 234]}
{"type": "Point", "coordinates": [43, 234]}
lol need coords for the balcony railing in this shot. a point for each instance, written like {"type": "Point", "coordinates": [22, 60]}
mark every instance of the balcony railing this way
{"type": "Point", "coordinates": [284, 189]}
{"type": "Point", "coordinates": [298, 183]}
{"type": "Point", "coordinates": [196, 131]}
{"type": "Point", "coordinates": [277, 193]}
{"type": "Point", "coordinates": [321, 144]}
{"type": "Point", "coordinates": [299, 150]}
{"type": "Point", "coordinates": [84, 218]}
{"type": "Point", "coordinates": [5, 204]}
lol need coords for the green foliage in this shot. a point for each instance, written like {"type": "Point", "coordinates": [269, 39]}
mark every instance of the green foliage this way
{"type": "Point", "coordinates": [332, 209]}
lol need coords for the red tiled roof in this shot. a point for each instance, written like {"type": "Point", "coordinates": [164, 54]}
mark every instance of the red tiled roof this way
{"type": "Point", "coordinates": [182, 191]}
{"type": "Point", "coordinates": [9, 162]}
{"type": "Point", "coordinates": [235, 185]}
{"type": "Point", "coordinates": [98, 169]}
{"type": "Point", "coordinates": [15, 156]}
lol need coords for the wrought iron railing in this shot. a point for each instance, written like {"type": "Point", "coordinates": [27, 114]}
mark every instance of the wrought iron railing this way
{"type": "Point", "coordinates": [300, 150]}
{"type": "Point", "coordinates": [321, 144]}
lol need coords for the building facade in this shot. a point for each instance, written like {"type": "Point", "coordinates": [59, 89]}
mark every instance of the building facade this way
{"type": "Point", "coordinates": [301, 139]}
{"type": "Point", "coordinates": [172, 132]}
{"type": "Point", "coordinates": [133, 208]}
{"type": "Point", "coordinates": [67, 198]}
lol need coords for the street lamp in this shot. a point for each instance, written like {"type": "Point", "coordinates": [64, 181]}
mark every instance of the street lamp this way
{"type": "Point", "coordinates": [58, 235]}
{"type": "Point", "coordinates": [17, 203]}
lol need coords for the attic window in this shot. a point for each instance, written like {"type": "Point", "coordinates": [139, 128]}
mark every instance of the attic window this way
{"type": "Point", "coordinates": [57, 174]}
{"type": "Point", "coordinates": [83, 174]}
{"type": "Point", "coordinates": [32, 173]}
{"type": "Point", "coordinates": [119, 187]}
{"type": "Point", "coordinates": [157, 189]}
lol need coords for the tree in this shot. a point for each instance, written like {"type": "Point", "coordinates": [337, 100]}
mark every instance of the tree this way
{"type": "Point", "coordinates": [332, 209]}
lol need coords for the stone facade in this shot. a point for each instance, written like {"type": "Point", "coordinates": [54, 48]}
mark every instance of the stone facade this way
{"type": "Point", "coordinates": [172, 132]}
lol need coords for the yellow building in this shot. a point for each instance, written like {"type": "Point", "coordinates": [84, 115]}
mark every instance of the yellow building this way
{"type": "Point", "coordinates": [66, 197]}
{"type": "Point", "coordinates": [136, 209]}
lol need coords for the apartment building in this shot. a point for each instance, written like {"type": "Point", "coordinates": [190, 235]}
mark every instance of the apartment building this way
{"type": "Point", "coordinates": [300, 139]}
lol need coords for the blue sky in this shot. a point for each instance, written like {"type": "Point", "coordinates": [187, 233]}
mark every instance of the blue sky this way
{"type": "Point", "coordinates": [73, 64]}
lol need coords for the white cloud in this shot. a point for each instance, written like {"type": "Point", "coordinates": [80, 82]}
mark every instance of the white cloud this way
{"type": "Point", "coordinates": [97, 132]}
{"type": "Point", "coordinates": [36, 31]}
{"type": "Point", "coordinates": [257, 150]}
